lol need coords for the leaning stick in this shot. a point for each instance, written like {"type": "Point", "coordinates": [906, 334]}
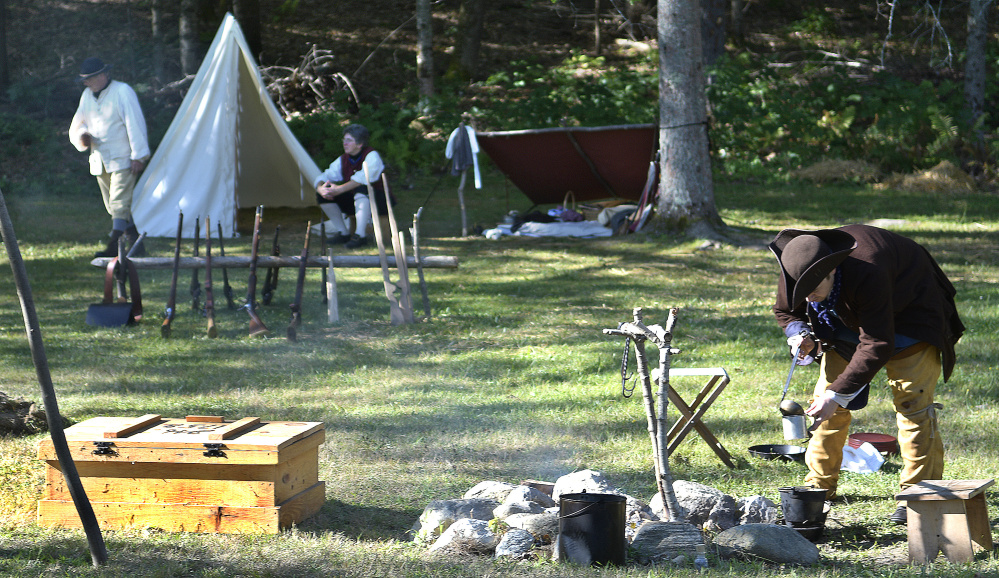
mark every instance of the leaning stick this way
{"type": "Point", "coordinates": [399, 248]}
{"type": "Point", "coordinates": [98, 551]}
{"type": "Point", "coordinates": [395, 311]}
{"type": "Point", "coordinates": [419, 263]}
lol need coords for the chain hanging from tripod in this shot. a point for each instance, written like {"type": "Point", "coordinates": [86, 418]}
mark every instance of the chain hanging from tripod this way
{"type": "Point", "coordinates": [625, 390]}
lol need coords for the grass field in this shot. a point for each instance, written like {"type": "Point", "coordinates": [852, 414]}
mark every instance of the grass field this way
{"type": "Point", "coordinates": [510, 379]}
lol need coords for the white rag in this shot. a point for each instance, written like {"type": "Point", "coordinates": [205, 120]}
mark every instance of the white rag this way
{"type": "Point", "coordinates": [863, 459]}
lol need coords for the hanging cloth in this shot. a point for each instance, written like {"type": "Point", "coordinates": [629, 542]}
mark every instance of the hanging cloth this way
{"type": "Point", "coordinates": [462, 149]}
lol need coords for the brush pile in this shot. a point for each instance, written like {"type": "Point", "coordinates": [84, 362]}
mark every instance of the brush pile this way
{"type": "Point", "coordinates": [311, 86]}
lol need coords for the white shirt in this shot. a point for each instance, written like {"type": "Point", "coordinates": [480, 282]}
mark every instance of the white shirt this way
{"type": "Point", "coordinates": [334, 174]}
{"type": "Point", "coordinates": [115, 123]}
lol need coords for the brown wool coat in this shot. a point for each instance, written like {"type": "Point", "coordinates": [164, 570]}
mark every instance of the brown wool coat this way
{"type": "Point", "coordinates": [890, 285]}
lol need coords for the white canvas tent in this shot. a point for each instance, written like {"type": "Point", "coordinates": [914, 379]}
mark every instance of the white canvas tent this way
{"type": "Point", "coordinates": [227, 148]}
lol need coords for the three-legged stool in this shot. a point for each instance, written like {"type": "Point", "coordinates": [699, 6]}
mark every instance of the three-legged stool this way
{"type": "Point", "coordinates": [947, 516]}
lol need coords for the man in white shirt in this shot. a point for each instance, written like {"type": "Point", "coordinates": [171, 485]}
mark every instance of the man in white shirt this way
{"type": "Point", "coordinates": [109, 123]}
{"type": "Point", "coordinates": [342, 189]}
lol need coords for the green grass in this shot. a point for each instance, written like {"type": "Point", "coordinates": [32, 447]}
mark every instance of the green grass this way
{"type": "Point", "coordinates": [511, 378]}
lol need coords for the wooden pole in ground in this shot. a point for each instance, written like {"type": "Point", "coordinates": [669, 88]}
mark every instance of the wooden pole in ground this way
{"type": "Point", "coordinates": [98, 551]}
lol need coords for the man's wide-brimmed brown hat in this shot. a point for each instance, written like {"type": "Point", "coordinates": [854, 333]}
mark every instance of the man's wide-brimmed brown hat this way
{"type": "Point", "coordinates": [807, 257]}
{"type": "Point", "coordinates": [92, 67]}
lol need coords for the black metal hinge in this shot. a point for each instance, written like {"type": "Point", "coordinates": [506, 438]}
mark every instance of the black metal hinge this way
{"type": "Point", "coordinates": [104, 449]}
{"type": "Point", "coordinates": [214, 451]}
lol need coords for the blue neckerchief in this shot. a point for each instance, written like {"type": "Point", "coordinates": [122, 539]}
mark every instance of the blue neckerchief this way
{"type": "Point", "coordinates": [824, 310]}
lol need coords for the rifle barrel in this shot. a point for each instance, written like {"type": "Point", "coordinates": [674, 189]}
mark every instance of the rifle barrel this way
{"type": "Point", "coordinates": [296, 305]}
{"type": "Point", "coordinates": [172, 300]}
{"type": "Point", "coordinates": [257, 326]}
{"type": "Point", "coordinates": [195, 285]}
{"type": "Point", "coordinates": [226, 288]}
{"type": "Point", "coordinates": [209, 297]}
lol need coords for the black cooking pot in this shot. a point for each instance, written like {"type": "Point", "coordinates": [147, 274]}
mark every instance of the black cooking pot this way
{"type": "Point", "coordinates": [778, 452]}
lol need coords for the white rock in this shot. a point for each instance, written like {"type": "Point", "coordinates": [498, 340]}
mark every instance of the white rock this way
{"type": "Point", "coordinates": [515, 544]}
{"type": "Point", "coordinates": [490, 490]}
{"type": "Point", "coordinates": [469, 534]}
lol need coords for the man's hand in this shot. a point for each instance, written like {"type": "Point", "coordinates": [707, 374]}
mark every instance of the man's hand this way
{"type": "Point", "coordinates": [327, 190]}
{"type": "Point", "coordinates": [137, 167]}
{"type": "Point", "coordinates": [86, 139]}
{"type": "Point", "coordinates": [822, 409]}
{"type": "Point", "coordinates": [803, 343]}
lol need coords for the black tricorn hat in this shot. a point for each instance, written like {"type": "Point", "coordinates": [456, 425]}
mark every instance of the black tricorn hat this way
{"type": "Point", "coordinates": [807, 257]}
{"type": "Point", "coordinates": [92, 67]}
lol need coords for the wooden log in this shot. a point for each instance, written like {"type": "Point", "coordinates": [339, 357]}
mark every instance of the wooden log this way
{"type": "Point", "coordinates": [267, 261]}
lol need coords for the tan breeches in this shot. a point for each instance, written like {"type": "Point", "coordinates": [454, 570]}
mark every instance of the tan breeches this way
{"type": "Point", "coordinates": [116, 190]}
{"type": "Point", "coordinates": [913, 379]}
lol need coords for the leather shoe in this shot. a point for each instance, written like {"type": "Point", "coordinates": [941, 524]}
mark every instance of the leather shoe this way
{"type": "Point", "coordinates": [337, 238]}
{"type": "Point", "coordinates": [355, 242]}
{"type": "Point", "coordinates": [900, 515]}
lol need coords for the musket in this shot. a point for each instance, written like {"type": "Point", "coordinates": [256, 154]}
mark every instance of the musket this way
{"type": "Point", "coordinates": [257, 326]}
{"type": "Point", "coordinates": [195, 285]}
{"type": "Point", "coordinates": [322, 247]}
{"type": "Point", "coordinates": [172, 300]}
{"type": "Point", "coordinates": [271, 281]}
{"type": "Point", "coordinates": [296, 305]}
{"type": "Point", "coordinates": [226, 288]}
{"type": "Point", "coordinates": [213, 332]}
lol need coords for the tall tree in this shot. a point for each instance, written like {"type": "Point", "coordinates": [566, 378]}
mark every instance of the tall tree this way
{"type": "Point", "coordinates": [4, 65]}
{"type": "Point", "coordinates": [247, 13]}
{"type": "Point", "coordinates": [188, 27]}
{"type": "Point", "coordinates": [975, 67]}
{"type": "Point", "coordinates": [468, 44]}
{"type": "Point", "coordinates": [425, 49]}
{"type": "Point", "coordinates": [156, 20]}
{"type": "Point", "coordinates": [686, 199]}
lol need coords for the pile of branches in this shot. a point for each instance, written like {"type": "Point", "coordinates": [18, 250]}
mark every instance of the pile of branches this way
{"type": "Point", "coordinates": [310, 86]}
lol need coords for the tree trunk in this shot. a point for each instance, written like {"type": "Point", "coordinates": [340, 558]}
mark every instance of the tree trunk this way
{"type": "Point", "coordinates": [247, 13]}
{"type": "Point", "coordinates": [424, 52]}
{"type": "Point", "coordinates": [735, 18]}
{"type": "Point", "coordinates": [975, 69]}
{"type": "Point", "coordinates": [713, 30]}
{"type": "Point", "coordinates": [597, 48]}
{"type": "Point", "coordinates": [156, 19]}
{"type": "Point", "coordinates": [4, 65]}
{"type": "Point", "coordinates": [471, 17]}
{"type": "Point", "coordinates": [188, 37]}
{"type": "Point", "coordinates": [686, 200]}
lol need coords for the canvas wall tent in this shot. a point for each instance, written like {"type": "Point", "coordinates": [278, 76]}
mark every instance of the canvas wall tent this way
{"type": "Point", "coordinates": [592, 162]}
{"type": "Point", "coordinates": [227, 148]}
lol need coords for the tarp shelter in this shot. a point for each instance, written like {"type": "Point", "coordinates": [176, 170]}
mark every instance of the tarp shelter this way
{"type": "Point", "coordinates": [592, 162]}
{"type": "Point", "coordinates": [227, 148]}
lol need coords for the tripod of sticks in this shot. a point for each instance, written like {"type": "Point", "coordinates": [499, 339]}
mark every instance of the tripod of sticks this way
{"type": "Point", "coordinates": [655, 406]}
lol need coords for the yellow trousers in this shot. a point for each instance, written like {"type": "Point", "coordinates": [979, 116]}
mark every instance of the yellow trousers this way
{"type": "Point", "coordinates": [913, 380]}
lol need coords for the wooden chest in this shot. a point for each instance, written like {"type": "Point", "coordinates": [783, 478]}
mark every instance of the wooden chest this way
{"type": "Point", "coordinates": [198, 474]}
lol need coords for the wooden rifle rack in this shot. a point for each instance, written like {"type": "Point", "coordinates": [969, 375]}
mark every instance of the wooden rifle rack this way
{"type": "Point", "coordinates": [329, 262]}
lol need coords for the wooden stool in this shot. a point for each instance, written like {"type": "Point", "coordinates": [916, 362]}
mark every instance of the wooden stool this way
{"type": "Point", "coordinates": [691, 414]}
{"type": "Point", "coordinates": [948, 516]}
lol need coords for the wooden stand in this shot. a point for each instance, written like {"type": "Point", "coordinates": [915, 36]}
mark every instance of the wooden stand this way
{"type": "Point", "coordinates": [692, 414]}
{"type": "Point", "coordinates": [948, 516]}
{"type": "Point", "coordinates": [199, 474]}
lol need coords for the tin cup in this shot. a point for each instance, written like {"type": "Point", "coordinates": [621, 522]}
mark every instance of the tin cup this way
{"type": "Point", "coordinates": [794, 427]}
